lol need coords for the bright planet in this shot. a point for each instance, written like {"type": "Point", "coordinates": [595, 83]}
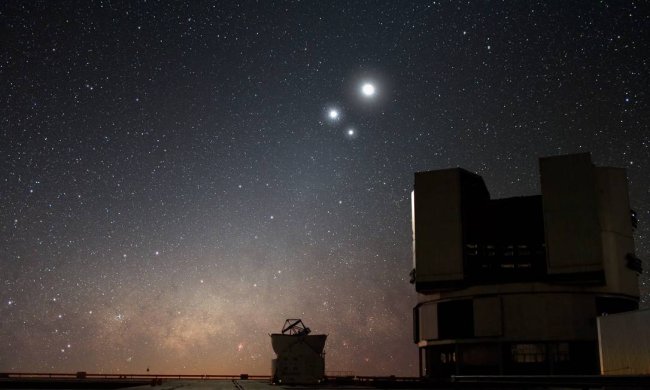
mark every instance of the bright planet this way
{"type": "Point", "coordinates": [368, 89]}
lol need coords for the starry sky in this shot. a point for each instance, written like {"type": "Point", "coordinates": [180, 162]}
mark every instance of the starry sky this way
{"type": "Point", "coordinates": [174, 184]}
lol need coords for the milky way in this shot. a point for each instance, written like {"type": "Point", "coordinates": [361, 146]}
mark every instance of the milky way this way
{"type": "Point", "coordinates": [172, 189]}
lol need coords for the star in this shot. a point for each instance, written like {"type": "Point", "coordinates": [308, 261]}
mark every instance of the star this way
{"type": "Point", "coordinates": [333, 114]}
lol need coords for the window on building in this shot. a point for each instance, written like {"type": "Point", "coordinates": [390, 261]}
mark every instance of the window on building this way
{"type": "Point", "coordinates": [528, 353]}
{"type": "Point", "coordinates": [559, 352]}
{"type": "Point", "coordinates": [503, 240]}
{"type": "Point", "coordinates": [447, 357]}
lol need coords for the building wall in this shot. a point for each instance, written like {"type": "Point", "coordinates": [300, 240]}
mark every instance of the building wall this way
{"type": "Point", "coordinates": [510, 317]}
{"type": "Point", "coordinates": [299, 359]}
{"type": "Point", "coordinates": [624, 343]}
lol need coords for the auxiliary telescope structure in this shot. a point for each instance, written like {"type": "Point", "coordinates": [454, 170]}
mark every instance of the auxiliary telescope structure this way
{"type": "Point", "coordinates": [300, 358]}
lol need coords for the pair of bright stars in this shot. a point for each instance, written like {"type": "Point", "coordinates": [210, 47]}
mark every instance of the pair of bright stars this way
{"type": "Point", "coordinates": [368, 91]}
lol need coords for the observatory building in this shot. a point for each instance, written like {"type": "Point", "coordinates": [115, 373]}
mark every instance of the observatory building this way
{"type": "Point", "coordinates": [300, 358]}
{"type": "Point", "coordinates": [514, 286]}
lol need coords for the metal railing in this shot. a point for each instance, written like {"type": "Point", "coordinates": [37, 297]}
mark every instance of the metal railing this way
{"type": "Point", "coordinates": [85, 375]}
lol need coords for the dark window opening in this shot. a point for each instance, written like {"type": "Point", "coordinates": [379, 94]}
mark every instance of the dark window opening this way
{"type": "Point", "coordinates": [456, 319]}
{"type": "Point", "coordinates": [559, 352]}
{"type": "Point", "coordinates": [447, 357]}
{"type": "Point", "coordinates": [528, 353]}
{"type": "Point", "coordinates": [504, 240]}
{"type": "Point", "coordinates": [492, 262]}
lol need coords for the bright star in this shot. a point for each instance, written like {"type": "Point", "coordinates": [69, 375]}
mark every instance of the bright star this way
{"type": "Point", "coordinates": [333, 114]}
{"type": "Point", "coordinates": [368, 89]}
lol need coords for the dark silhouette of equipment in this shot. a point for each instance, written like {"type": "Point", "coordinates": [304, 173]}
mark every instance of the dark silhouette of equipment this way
{"type": "Point", "coordinates": [295, 327]}
{"type": "Point", "coordinates": [300, 358]}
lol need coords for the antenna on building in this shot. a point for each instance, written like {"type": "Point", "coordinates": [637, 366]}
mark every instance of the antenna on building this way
{"type": "Point", "coordinates": [295, 327]}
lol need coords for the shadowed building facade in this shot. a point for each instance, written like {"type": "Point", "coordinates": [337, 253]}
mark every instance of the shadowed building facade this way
{"type": "Point", "coordinates": [300, 358]}
{"type": "Point", "coordinates": [514, 286]}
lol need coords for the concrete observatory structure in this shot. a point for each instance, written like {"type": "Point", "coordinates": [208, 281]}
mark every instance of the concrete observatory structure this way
{"type": "Point", "coordinates": [300, 358]}
{"type": "Point", "coordinates": [514, 286]}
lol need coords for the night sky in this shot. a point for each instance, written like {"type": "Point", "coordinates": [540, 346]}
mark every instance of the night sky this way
{"type": "Point", "coordinates": [174, 183]}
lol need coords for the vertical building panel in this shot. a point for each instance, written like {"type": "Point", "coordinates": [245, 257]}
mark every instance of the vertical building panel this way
{"type": "Point", "coordinates": [544, 317]}
{"type": "Point", "coordinates": [487, 317]}
{"type": "Point", "coordinates": [616, 225]}
{"type": "Point", "coordinates": [438, 228]}
{"type": "Point", "coordinates": [428, 318]}
{"type": "Point", "coordinates": [624, 342]}
{"type": "Point", "coordinates": [572, 225]}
